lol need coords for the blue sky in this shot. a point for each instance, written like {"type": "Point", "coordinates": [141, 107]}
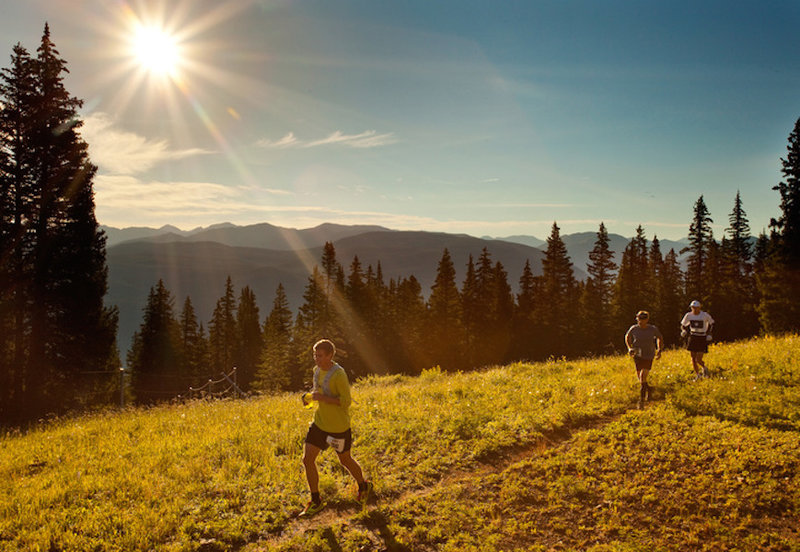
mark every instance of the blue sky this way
{"type": "Point", "coordinates": [485, 118]}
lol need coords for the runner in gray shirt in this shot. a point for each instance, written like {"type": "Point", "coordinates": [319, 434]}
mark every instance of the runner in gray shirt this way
{"type": "Point", "coordinates": [644, 344]}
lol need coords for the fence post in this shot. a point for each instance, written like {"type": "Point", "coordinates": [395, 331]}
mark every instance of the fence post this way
{"type": "Point", "coordinates": [122, 387]}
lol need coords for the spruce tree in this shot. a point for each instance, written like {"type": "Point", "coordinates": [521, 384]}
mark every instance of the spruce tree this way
{"type": "Point", "coordinates": [528, 316]}
{"type": "Point", "coordinates": [408, 327]}
{"type": "Point", "coordinates": [250, 339]}
{"type": "Point", "coordinates": [194, 349]}
{"type": "Point", "coordinates": [700, 237]}
{"type": "Point", "coordinates": [672, 299]}
{"type": "Point", "coordinates": [17, 98]}
{"type": "Point", "coordinates": [598, 293]}
{"type": "Point", "coordinates": [277, 370]}
{"type": "Point", "coordinates": [445, 332]}
{"type": "Point", "coordinates": [632, 293]}
{"type": "Point", "coordinates": [222, 334]}
{"type": "Point", "coordinates": [788, 224]}
{"type": "Point", "coordinates": [471, 309]}
{"type": "Point", "coordinates": [309, 324]}
{"type": "Point", "coordinates": [154, 358]}
{"type": "Point", "coordinates": [737, 303]}
{"type": "Point", "coordinates": [561, 290]}
{"type": "Point", "coordinates": [779, 279]}
{"type": "Point", "coordinates": [502, 308]}
{"type": "Point", "coordinates": [53, 250]}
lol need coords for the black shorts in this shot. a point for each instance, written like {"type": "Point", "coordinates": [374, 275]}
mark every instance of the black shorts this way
{"type": "Point", "coordinates": [643, 363]}
{"type": "Point", "coordinates": [323, 439]}
{"type": "Point", "coordinates": [697, 344]}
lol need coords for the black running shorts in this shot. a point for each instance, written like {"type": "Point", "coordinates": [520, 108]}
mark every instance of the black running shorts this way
{"type": "Point", "coordinates": [697, 343]}
{"type": "Point", "coordinates": [341, 442]}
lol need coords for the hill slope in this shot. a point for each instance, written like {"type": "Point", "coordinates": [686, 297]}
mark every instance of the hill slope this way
{"type": "Point", "coordinates": [526, 457]}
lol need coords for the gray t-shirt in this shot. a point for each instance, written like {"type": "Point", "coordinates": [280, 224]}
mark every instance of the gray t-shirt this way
{"type": "Point", "coordinates": [644, 340]}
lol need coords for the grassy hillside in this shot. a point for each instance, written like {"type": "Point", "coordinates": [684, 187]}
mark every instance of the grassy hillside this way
{"type": "Point", "coordinates": [550, 456]}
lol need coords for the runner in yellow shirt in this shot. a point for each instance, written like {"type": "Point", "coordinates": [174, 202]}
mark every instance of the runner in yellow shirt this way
{"type": "Point", "coordinates": [331, 426]}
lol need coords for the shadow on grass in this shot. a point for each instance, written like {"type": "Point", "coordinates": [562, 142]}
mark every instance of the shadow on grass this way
{"type": "Point", "coordinates": [378, 521]}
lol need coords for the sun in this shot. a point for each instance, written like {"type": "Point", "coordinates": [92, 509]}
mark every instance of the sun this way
{"type": "Point", "coordinates": [156, 51]}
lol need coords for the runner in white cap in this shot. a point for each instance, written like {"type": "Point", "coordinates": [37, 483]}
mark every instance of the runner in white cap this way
{"type": "Point", "coordinates": [697, 326]}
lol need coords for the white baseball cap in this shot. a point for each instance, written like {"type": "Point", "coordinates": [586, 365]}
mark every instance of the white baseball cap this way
{"type": "Point", "coordinates": [695, 303]}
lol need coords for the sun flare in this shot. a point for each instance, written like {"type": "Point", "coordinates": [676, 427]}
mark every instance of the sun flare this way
{"type": "Point", "coordinates": [156, 51]}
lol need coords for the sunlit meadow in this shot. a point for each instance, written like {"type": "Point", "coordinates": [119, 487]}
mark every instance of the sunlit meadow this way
{"type": "Point", "coordinates": [545, 456]}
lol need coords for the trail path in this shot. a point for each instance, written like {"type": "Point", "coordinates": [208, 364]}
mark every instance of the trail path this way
{"type": "Point", "coordinates": [373, 519]}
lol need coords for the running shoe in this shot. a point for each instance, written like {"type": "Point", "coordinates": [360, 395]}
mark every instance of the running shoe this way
{"type": "Point", "coordinates": [365, 493]}
{"type": "Point", "coordinates": [312, 509]}
{"type": "Point", "coordinates": [705, 371]}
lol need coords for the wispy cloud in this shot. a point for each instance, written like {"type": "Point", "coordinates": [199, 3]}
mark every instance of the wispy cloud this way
{"type": "Point", "coordinates": [364, 140]}
{"type": "Point", "coordinates": [134, 198]}
{"type": "Point", "coordinates": [120, 152]}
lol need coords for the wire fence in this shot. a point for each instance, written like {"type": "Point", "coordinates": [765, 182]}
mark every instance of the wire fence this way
{"type": "Point", "coordinates": [224, 387]}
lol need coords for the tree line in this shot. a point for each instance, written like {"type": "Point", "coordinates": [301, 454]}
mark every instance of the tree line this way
{"type": "Point", "coordinates": [56, 334]}
{"type": "Point", "coordinates": [391, 328]}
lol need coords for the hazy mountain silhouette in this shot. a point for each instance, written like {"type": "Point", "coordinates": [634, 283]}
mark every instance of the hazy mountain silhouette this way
{"type": "Point", "coordinates": [261, 235]}
{"type": "Point", "coordinates": [199, 269]}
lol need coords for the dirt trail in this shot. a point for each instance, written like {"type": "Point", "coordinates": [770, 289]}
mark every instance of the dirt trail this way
{"type": "Point", "coordinates": [342, 514]}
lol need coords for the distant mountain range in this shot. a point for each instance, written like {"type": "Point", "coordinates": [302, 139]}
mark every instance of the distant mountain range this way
{"type": "Point", "coordinates": [196, 263]}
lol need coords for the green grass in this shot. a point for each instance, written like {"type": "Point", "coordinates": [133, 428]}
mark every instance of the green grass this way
{"type": "Point", "coordinates": [546, 456]}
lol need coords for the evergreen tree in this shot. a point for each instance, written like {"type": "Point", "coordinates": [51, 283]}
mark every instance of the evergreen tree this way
{"type": "Point", "coordinates": [250, 339]}
{"type": "Point", "coordinates": [528, 316]}
{"type": "Point", "coordinates": [598, 293]}
{"type": "Point", "coordinates": [788, 224]}
{"type": "Point", "coordinates": [408, 327]}
{"type": "Point", "coordinates": [194, 349]}
{"type": "Point", "coordinates": [498, 336]}
{"type": "Point", "coordinates": [277, 370]}
{"type": "Point", "coordinates": [308, 327]}
{"type": "Point", "coordinates": [561, 290]}
{"type": "Point", "coordinates": [154, 358]}
{"type": "Point", "coordinates": [222, 334]}
{"type": "Point", "coordinates": [701, 236]}
{"type": "Point", "coordinates": [54, 274]}
{"type": "Point", "coordinates": [333, 285]}
{"type": "Point", "coordinates": [380, 342]}
{"type": "Point", "coordinates": [737, 301]}
{"type": "Point", "coordinates": [779, 279]}
{"type": "Point", "coordinates": [631, 289]}
{"type": "Point", "coordinates": [472, 312]}
{"type": "Point", "coordinates": [672, 300]}
{"type": "Point", "coordinates": [655, 266]}
{"type": "Point", "coordinates": [445, 332]}
{"type": "Point", "coordinates": [17, 93]}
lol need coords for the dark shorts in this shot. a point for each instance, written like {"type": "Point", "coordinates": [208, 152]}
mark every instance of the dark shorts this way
{"type": "Point", "coordinates": [320, 439]}
{"type": "Point", "coordinates": [697, 344]}
{"type": "Point", "coordinates": [643, 363]}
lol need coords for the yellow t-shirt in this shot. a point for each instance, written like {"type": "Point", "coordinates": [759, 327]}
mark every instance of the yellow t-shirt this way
{"type": "Point", "coordinates": [334, 418]}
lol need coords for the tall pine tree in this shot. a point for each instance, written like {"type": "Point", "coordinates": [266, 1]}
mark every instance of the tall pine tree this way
{"type": "Point", "coordinates": [779, 280]}
{"type": "Point", "coordinates": [561, 289]}
{"type": "Point", "coordinates": [154, 358]}
{"type": "Point", "coordinates": [52, 248]}
{"type": "Point", "coordinates": [445, 332]}
{"type": "Point", "coordinates": [737, 304]}
{"type": "Point", "coordinates": [250, 339]}
{"type": "Point", "coordinates": [277, 370]}
{"type": "Point", "coordinates": [632, 293]}
{"type": "Point", "coordinates": [599, 294]}
{"type": "Point", "coordinates": [222, 334]}
{"type": "Point", "coordinates": [698, 285]}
